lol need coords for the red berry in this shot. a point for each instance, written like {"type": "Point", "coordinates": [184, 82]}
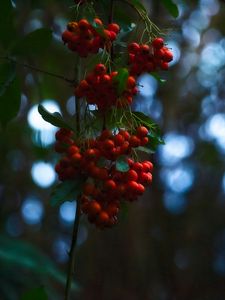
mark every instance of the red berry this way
{"type": "Point", "coordinates": [112, 35]}
{"type": "Point", "coordinates": [100, 69]}
{"type": "Point", "coordinates": [158, 43]}
{"type": "Point", "coordinates": [94, 208]}
{"type": "Point", "coordinates": [133, 48]}
{"type": "Point", "coordinates": [84, 24]}
{"type": "Point", "coordinates": [164, 66]}
{"type": "Point", "coordinates": [103, 218]}
{"type": "Point", "coordinates": [110, 184]}
{"type": "Point", "coordinates": [132, 175]}
{"type": "Point", "coordinates": [118, 139]}
{"type": "Point", "coordinates": [66, 36]}
{"type": "Point", "coordinates": [72, 150]}
{"type": "Point", "coordinates": [168, 55]}
{"type": "Point", "coordinates": [108, 144]}
{"type": "Point", "coordinates": [134, 141]}
{"type": "Point", "coordinates": [147, 166]}
{"type": "Point", "coordinates": [131, 82]}
{"type": "Point", "coordinates": [114, 27]}
{"type": "Point", "coordinates": [144, 49]}
{"type": "Point", "coordinates": [137, 166]}
{"type": "Point", "coordinates": [142, 131]}
{"type": "Point", "coordinates": [98, 21]}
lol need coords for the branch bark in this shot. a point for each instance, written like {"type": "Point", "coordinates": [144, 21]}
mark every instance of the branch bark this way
{"type": "Point", "coordinates": [34, 68]}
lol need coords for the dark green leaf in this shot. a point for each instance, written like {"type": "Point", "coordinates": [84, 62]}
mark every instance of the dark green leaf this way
{"type": "Point", "coordinates": [155, 140]}
{"type": "Point", "coordinates": [122, 164]}
{"type": "Point", "coordinates": [10, 93]}
{"type": "Point", "coordinates": [66, 191]}
{"type": "Point", "coordinates": [171, 7]}
{"type": "Point", "coordinates": [138, 5]}
{"type": "Point", "coordinates": [34, 42]}
{"type": "Point", "coordinates": [35, 294]}
{"type": "Point", "coordinates": [121, 80]}
{"type": "Point", "coordinates": [7, 32]}
{"type": "Point", "coordinates": [53, 118]}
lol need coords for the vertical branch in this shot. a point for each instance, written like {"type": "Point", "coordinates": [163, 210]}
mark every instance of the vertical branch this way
{"type": "Point", "coordinates": [72, 252]}
{"type": "Point", "coordinates": [111, 21]}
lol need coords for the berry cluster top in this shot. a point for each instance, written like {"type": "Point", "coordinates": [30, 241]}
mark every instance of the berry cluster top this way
{"type": "Point", "coordinates": [86, 38]}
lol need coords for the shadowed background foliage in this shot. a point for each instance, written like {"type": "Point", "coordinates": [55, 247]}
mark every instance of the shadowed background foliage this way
{"type": "Point", "coordinates": [168, 246]}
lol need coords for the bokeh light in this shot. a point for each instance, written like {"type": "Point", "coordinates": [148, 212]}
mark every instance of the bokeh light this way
{"type": "Point", "coordinates": [43, 174]}
{"type": "Point", "coordinates": [32, 210]}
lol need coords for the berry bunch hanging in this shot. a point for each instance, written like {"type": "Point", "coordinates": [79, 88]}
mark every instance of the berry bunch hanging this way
{"type": "Point", "coordinates": [102, 152]}
{"type": "Point", "coordinates": [144, 58]}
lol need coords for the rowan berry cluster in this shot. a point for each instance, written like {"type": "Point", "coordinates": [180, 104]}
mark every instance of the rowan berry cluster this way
{"type": "Point", "coordinates": [149, 58]}
{"type": "Point", "coordinates": [84, 38]}
{"type": "Point", "coordinates": [100, 88]}
{"type": "Point", "coordinates": [96, 162]}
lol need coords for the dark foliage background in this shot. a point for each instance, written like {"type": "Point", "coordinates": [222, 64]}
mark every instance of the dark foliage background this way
{"type": "Point", "coordinates": [168, 246]}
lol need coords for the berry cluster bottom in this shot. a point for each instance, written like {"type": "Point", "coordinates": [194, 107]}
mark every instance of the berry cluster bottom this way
{"type": "Point", "coordinates": [108, 169]}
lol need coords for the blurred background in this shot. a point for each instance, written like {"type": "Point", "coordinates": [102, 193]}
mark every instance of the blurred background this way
{"type": "Point", "coordinates": [170, 245]}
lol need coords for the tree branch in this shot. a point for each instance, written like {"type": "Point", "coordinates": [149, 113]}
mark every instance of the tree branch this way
{"type": "Point", "coordinates": [34, 68]}
{"type": "Point", "coordinates": [72, 252]}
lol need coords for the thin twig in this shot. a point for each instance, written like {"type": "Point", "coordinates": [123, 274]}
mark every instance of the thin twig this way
{"type": "Point", "coordinates": [34, 68]}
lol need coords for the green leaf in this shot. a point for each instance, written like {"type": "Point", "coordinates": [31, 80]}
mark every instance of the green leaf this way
{"type": "Point", "coordinates": [145, 150]}
{"type": "Point", "coordinates": [142, 119]}
{"type": "Point", "coordinates": [7, 33]}
{"type": "Point", "coordinates": [171, 7]}
{"type": "Point", "coordinates": [121, 80]}
{"type": "Point", "coordinates": [66, 191]}
{"type": "Point", "coordinates": [20, 255]}
{"type": "Point", "coordinates": [93, 60]}
{"type": "Point", "coordinates": [10, 94]}
{"type": "Point", "coordinates": [53, 118]}
{"type": "Point", "coordinates": [35, 294]}
{"type": "Point", "coordinates": [157, 77]}
{"type": "Point", "coordinates": [35, 42]}
{"type": "Point", "coordinates": [138, 5]}
{"type": "Point", "coordinates": [154, 134]}
{"type": "Point", "coordinates": [122, 164]}
{"type": "Point", "coordinates": [98, 28]}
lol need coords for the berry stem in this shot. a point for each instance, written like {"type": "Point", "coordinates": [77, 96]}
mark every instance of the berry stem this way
{"type": "Point", "coordinates": [34, 68]}
{"type": "Point", "coordinates": [72, 252]}
{"type": "Point", "coordinates": [111, 21]}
